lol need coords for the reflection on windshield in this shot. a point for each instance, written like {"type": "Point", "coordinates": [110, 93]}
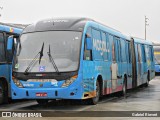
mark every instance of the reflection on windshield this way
{"type": "Point", "coordinates": [64, 47]}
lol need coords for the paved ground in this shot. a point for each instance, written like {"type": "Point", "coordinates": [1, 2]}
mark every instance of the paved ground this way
{"type": "Point", "coordinates": [141, 99]}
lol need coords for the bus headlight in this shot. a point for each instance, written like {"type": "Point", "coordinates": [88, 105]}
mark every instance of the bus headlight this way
{"type": "Point", "coordinates": [69, 81]}
{"type": "Point", "coordinates": [17, 82]}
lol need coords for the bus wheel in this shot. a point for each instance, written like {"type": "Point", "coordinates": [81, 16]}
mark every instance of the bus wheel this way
{"type": "Point", "coordinates": [94, 101]}
{"type": "Point", "coordinates": [148, 79]}
{"type": "Point", "coordinates": [42, 101]}
{"type": "Point", "coordinates": [124, 89]}
{"type": "Point", "coordinates": [2, 93]}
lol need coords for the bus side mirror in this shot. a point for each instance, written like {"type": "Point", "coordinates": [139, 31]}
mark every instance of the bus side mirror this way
{"type": "Point", "coordinates": [10, 44]}
{"type": "Point", "coordinates": [89, 43]}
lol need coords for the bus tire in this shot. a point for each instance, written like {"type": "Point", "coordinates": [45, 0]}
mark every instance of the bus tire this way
{"type": "Point", "coordinates": [94, 101]}
{"type": "Point", "coordinates": [42, 101]}
{"type": "Point", "coordinates": [148, 79]}
{"type": "Point", "coordinates": [2, 92]}
{"type": "Point", "coordinates": [124, 88]}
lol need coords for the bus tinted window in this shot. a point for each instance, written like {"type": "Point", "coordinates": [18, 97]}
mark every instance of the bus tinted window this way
{"type": "Point", "coordinates": [151, 53]}
{"type": "Point", "coordinates": [123, 49]}
{"type": "Point", "coordinates": [143, 54]}
{"type": "Point", "coordinates": [139, 53]}
{"type": "Point", "coordinates": [117, 49]}
{"type": "Point", "coordinates": [87, 53]}
{"type": "Point", "coordinates": [97, 45]}
{"type": "Point", "coordinates": [112, 48]}
{"type": "Point", "coordinates": [108, 46]}
{"type": "Point", "coordinates": [129, 52]}
{"type": "Point", "coordinates": [147, 53]}
{"type": "Point", "coordinates": [105, 57]}
{"type": "Point", "coordinates": [2, 53]}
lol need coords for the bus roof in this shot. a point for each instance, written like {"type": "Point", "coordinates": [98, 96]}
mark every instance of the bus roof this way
{"type": "Point", "coordinates": [10, 28]}
{"type": "Point", "coordinates": [75, 24]}
{"type": "Point", "coordinates": [142, 41]}
{"type": "Point", "coordinates": [107, 29]}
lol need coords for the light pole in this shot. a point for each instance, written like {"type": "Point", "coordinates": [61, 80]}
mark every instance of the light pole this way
{"type": "Point", "coordinates": [146, 25]}
{"type": "Point", "coordinates": [1, 9]}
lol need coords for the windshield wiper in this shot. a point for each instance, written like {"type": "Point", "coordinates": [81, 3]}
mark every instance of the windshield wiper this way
{"type": "Point", "coordinates": [40, 54]}
{"type": "Point", "coordinates": [52, 60]}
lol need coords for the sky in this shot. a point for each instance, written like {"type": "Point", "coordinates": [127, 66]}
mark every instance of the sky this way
{"type": "Point", "coordinates": [127, 16]}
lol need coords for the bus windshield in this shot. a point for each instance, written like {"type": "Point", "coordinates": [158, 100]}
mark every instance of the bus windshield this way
{"type": "Point", "coordinates": [64, 47]}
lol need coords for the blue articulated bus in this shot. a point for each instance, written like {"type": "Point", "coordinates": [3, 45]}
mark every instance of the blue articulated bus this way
{"type": "Point", "coordinates": [6, 30]}
{"type": "Point", "coordinates": [157, 57]}
{"type": "Point", "coordinates": [78, 58]}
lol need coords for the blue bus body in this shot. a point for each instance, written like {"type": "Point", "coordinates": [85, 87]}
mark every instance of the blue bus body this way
{"type": "Point", "coordinates": [145, 60]}
{"type": "Point", "coordinates": [5, 66]}
{"type": "Point", "coordinates": [109, 62]}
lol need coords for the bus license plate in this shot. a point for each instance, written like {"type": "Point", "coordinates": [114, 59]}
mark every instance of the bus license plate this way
{"type": "Point", "coordinates": [41, 94]}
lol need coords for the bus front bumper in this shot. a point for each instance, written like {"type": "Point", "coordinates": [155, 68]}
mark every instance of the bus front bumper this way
{"type": "Point", "coordinates": [47, 93]}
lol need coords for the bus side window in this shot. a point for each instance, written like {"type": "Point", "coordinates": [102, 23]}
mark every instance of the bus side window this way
{"type": "Point", "coordinates": [111, 54]}
{"type": "Point", "coordinates": [139, 53]}
{"type": "Point", "coordinates": [151, 53]}
{"type": "Point", "coordinates": [129, 52]}
{"type": "Point", "coordinates": [2, 48]}
{"type": "Point", "coordinates": [130, 55]}
{"type": "Point", "coordinates": [104, 39]}
{"type": "Point", "coordinates": [123, 49]}
{"type": "Point", "coordinates": [146, 52]}
{"type": "Point", "coordinates": [143, 54]}
{"type": "Point", "coordinates": [87, 53]}
{"type": "Point", "coordinates": [117, 49]}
